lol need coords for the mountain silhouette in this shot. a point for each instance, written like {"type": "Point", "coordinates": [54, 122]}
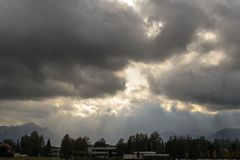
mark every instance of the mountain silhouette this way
{"type": "Point", "coordinates": [16, 132]}
{"type": "Point", "coordinates": [226, 133]}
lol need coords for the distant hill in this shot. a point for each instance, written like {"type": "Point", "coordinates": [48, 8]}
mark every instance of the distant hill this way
{"type": "Point", "coordinates": [227, 133]}
{"type": "Point", "coordinates": [16, 132]}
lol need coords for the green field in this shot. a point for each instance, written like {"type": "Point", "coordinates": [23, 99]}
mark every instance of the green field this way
{"type": "Point", "coordinates": [30, 158]}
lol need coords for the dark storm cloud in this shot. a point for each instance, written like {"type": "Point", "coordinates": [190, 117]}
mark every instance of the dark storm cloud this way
{"type": "Point", "coordinates": [228, 25]}
{"type": "Point", "coordinates": [97, 37]}
{"type": "Point", "coordinates": [73, 48]}
{"type": "Point", "coordinates": [58, 80]}
{"type": "Point", "coordinates": [216, 90]}
{"type": "Point", "coordinates": [216, 87]}
{"type": "Point", "coordinates": [181, 20]}
{"type": "Point", "coordinates": [79, 44]}
{"type": "Point", "coordinates": [19, 111]}
{"type": "Point", "coordinates": [43, 42]}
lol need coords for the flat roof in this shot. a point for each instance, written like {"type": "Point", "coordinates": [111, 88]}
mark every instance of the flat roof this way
{"type": "Point", "coordinates": [156, 155]}
{"type": "Point", "coordinates": [102, 147]}
{"type": "Point", "coordinates": [126, 156]}
{"type": "Point", "coordinates": [145, 152]}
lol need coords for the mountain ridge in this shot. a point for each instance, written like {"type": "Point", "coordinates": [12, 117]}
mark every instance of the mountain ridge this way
{"type": "Point", "coordinates": [226, 133]}
{"type": "Point", "coordinates": [15, 132]}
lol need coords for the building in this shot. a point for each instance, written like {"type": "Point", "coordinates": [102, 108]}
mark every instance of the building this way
{"type": "Point", "coordinates": [55, 151]}
{"type": "Point", "coordinates": [6, 150]}
{"type": "Point", "coordinates": [145, 155]}
{"type": "Point", "coordinates": [101, 152]}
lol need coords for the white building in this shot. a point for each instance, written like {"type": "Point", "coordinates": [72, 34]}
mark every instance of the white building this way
{"type": "Point", "coordinates": [101, 152]}
{"type": "Point", "coordinates": [146, 155]}
{"type": "Point", "coordinates": [55, 151]}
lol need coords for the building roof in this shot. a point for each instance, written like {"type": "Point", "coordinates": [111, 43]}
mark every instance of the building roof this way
{"type": "Point", "coordinates": [99, 148]}
{"type": "Point", "coordinates": [5, 145]}
{"type": "Point", "coordinates": [156, 155]}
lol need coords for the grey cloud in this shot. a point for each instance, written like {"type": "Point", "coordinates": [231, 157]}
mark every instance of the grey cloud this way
{"type": "Point", "coordinates": [216, 87]}
{"type": "Point", "coordinates": [61, 81]}
{"type": "Point", "coordinates": [225, 15]}
{"type": "Point", "coordinates": [216, 90]}
{"type": "Point", "coordinates": [181, 20]}
{"type": "Point", "coordinates": [147, 117]}
{"type": "Point", "coordinates": [90, 34]}
{"type": "Point", "coordinates": [73, 48]}
{"type": "Point", "coordinates": [61, 34]}
{"type": "Point", "coordinates": [13, 112]}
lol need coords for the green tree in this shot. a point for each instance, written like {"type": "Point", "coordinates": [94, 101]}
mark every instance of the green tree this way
{"type": "Point", "coordinates": [80, 147]}
{"type": "Point", "coordinates": [177, 147]}
{"type": "Point", "coordinates": [100, 143]}
{"type": "Point", "coordinates": [81, 144]}
{"type": "Point", "coordinates": [11, 143]}
{"type": "Point", "coordinates": [48, 149]}
{"type": "Point", "coordinates": [67, 146]}
{"type": "Point", "coordinates": [25, 145]}
{"type": "Point", "coordinates": [200, 148]}
{"type": "Point", "coordinates": [37, 144]}
{"type": "Point", "coordinates": [141, 142]}
{"type": "Point", "coordinates": [121, 146]}
{"type": "Point", "coordinates": [211, 149]}
{"type": "Point", "coordinates": [131, 144]}
{"type": "Point", "coordinates": [32, 145]}
{"type": "Point", "coordinates": [155, 143]}
{"type": "Point", "coordinates": [18, 146]}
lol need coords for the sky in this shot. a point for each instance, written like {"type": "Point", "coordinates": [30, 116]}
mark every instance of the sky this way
{"type": "Point", "coordinates": [111, 68]}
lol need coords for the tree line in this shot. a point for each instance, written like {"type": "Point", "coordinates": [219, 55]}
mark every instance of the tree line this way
{"type": "Point", "coordinates": [176, 146]}
{"type": "Point", "coordinates": [180, 146]}
{"type": "Point", "coordinates": [31, 145]}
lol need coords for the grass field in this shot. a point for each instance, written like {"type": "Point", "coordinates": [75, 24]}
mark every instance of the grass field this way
{"type": "Point", "coordinates": [30, 158]}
